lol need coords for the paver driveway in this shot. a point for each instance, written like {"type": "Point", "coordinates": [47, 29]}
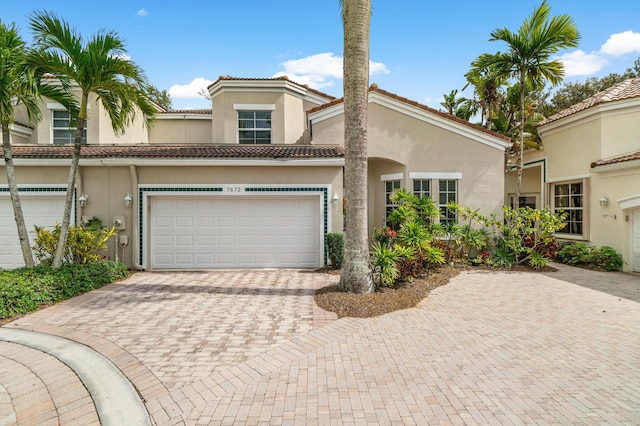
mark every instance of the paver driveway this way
{"type": "Point", "coordinates": [250, 347]}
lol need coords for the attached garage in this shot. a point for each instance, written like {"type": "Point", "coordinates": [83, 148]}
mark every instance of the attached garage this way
{"type": "Point", "coordinates": [39, 208]}
{"type": "Point", "coordinates": [243, 230]}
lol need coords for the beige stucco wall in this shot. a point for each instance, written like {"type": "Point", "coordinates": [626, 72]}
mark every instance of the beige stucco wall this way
{"type": "Point", "coordinates": [106, 187]}
{"type": "Point", "coordinates": [621, 133]}
{"type": "Point", "coordinates": [178, 131]}
{"type": "Point", "coordinates": [398, 143]}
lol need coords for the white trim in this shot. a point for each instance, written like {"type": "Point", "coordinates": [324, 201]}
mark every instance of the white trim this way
{"type": "Point", "coordinates": [254, 107]}
{"type": "Point", "coordinates": [392, 176]}
{"type": "Point", "coordinates": [436, 175]}
{"type": "Point", "coordinates": [634, 165]}
{"type": "Point", "coordinates": [267, 85]}
{"type": "Point", "coordinates": [226, 162]}
{"type": "Point", "coordinates": [326, 113]}
{"type": "Point", "coordinates": [57, 106]}
{"type": "Point", "coordinates": [20, 129]}
{"type": "Point", "coordinates": [183, 116]}
{"type": "Point", "coordinates": [568, 178]}
{"type": "Point", "coordinates": [629, 202]}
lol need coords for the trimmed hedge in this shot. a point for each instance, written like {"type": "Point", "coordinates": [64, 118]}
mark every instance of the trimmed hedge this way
{"type": "Point", "coordinates": [25, 290]}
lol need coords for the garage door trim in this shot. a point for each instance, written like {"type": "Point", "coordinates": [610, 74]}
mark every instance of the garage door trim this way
{"type": "Point", "coordinates": [146, 191]}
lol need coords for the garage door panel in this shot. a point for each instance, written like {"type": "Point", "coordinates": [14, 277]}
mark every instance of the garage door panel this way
{"type": "Point", "coordinates": [236, 232]}
{"type": "Point", "coordinates": [42, 210]}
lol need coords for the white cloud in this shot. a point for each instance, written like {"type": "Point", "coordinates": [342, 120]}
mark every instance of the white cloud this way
{"type": "Point", "coordinates": [142, 12]}
{"type": "Point", "coordinates": [621, 44]}
{"type": "Point", "coordinates": [579, 62]}
{"type": "Point", "coordinates": [188, 91]}
{"type": "Point", "coordinates": [321, 70]}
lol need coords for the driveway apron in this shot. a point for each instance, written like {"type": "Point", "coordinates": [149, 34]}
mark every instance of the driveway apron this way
{"type": "Point", "coordinates": [250, 347]}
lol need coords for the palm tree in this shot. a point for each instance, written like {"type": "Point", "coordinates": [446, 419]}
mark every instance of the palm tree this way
{"type": "Point", "coordinates": [97, 66]}
{"type": "Point", "coordinates": [528, 58]}
{"type": "Point", "coordinates": [17, 86]}
{"type": "Point", "coordinates": [356, 270]}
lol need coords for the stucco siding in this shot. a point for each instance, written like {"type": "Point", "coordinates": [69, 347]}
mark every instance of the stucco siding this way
{"type": "Point", "coordinates": [621, 133]}
{"type": "Point", "coordinates": [179, 131]}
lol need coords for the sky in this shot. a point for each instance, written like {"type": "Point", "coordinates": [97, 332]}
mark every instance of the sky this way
{"type": "Point", "coordinates": [420, 49]}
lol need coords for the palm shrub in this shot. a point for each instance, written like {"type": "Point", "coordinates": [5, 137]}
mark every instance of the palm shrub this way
{"type": "Point", "coordinates": [384, 264]}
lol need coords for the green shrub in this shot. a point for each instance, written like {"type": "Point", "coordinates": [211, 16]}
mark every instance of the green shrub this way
{"type": "Point", "coordinates": [335, 249]}
{"type": "Point", "coordinates": [83, 245]}
{"type": "Point", "coordinates": [24, 290]}
{"type": "Point", "coordinates": [604, 258]}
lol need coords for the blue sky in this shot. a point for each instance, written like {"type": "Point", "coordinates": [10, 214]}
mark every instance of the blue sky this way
{"type": "Point", "coordinates": [419, 49]}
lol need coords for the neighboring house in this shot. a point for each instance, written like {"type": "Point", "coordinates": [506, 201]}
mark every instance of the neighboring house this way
{"type": "Point", "coordinates": [257, 181]}
{"type": "Point", "coordinates": [589, 167]}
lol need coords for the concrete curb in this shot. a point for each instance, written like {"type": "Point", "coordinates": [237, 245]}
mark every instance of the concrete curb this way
{"type": "Point", "coordinates": [115, 398]}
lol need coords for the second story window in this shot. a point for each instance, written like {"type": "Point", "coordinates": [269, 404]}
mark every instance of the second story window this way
{"type": "Point", "coordinates": [254, 127]}
{"type": "Point", "coordinates": [63, 134]}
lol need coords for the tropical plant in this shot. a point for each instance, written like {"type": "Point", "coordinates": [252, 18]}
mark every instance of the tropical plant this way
{"type": "Point", "coordinates": [97, 66]}
{"type": "Point", "coordinates": [528, 59]}
{"type": "Point", "coordinates": [411, 208]}
{"type": "Point", "coordinates": [356, 271]}
{"type": "Point", "coordinates": [384, 262]}
{"type": "Point", "coordinates": [83, 245]}
{"type": "Point", "coordinates": [604, 258]}
{"type": "Point", "coordinates": [460, 107]}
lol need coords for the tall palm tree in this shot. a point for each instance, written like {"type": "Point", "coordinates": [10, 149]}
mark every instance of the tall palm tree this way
{"type": "Point", "coordinates": [97, 66]}
{"type": "Point", "coordinates": [356, 270]}
{"type": "Point", "coordinates": [528, 59]}
{"type": "Point", "coordinates": [17, 86]}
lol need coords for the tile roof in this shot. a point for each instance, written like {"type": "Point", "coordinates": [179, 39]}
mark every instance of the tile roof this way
{"type": "Point", "coordinates": [184, 151]}
{"type": "Point", "coordinates": [616, 160]}
{"type": "Point", "coordinates": [202, 111]}
{"type": "Point", "coordinates": [626, 90]}
{"type": "Point", "coordinates": [281, 78]}
{"type": "Point", "coordinates": [374, 88]}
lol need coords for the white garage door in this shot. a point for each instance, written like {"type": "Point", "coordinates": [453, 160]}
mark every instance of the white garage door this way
{"type": "Point", "coordinates": [41, 210]}
{"type": "Point", "coordinates": [192, 232]}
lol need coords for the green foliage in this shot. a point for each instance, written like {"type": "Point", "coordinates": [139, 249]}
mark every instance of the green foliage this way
{"type": "Point", "coordinates": [83, 245]}
{"type": "Point", "coordinates": [25, 290]}
{"type": "Point", "coordinates": [604, 258]}
{"type": "Point", "coordinates": [384, 264]}
{"type": "Point", "coordinates": [161, 97]}
{"type": "Point", "coordinates": [501, 258]}
{"type": "Point", "coordinates": [411, 208]}
{"type": "Point", "coordinates": [335, 249]}
{"type": "Point", "coordinates": [521, 233]}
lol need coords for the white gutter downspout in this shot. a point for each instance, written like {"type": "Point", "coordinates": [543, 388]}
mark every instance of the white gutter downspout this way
{"type": "Point", "coordinates": [136, 202]}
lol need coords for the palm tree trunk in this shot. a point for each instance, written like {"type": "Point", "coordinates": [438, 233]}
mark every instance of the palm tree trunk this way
{"type": "Point", "coordinates": [522, 117]}
{"type": "Point", "coordinates": [356, 271]}
{"type": "Point", "coordinates": [73, 170]}
{"type": "Point", "coordinates": [23, 235]}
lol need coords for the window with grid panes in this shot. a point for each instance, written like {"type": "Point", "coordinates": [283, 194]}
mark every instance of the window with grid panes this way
{"type": "Point", "coordinates": [389, 187]}
{"type": "Point", "coordinates": [422, 188]}
{"type": "Point", "coordinates": [569, 197]}
{"type": "Point", "coordinates": [254, 127]}
{"type": "Point", "coordinates": [63, 134]}
{"type": "Point", "coordinates": [447, 191]}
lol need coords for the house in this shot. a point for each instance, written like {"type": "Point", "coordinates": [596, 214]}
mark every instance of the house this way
{"type": "Point", "coordinates": [256, 181]}
{"type": "Point", "coordinates": [589, 167]}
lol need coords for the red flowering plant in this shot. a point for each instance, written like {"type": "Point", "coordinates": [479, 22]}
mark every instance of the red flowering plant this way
{"type": "Point", "coordinates": [386, 235]}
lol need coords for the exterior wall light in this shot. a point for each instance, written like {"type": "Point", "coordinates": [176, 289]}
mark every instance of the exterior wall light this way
{"type": "Point", "coordinates": [128, 200]}
{"type": "Point", "coordinates": [604, 201]}
{"type": "Point", "coordinates": [335, 198]}
{"type": "Point", "coordinates": [83, 200]}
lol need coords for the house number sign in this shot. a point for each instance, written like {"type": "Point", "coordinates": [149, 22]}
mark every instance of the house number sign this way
{"type": "Point", "coordinates": [232, 189]}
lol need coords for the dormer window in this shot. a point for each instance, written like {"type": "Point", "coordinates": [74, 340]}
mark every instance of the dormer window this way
{"type": "Point", "coordinates": [63, 134]}
{"type": "Point", "coordinates": [254, 123]}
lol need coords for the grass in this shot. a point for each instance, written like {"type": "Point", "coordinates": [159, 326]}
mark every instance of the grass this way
{"type": "Point", "coordinates": [26, 290]}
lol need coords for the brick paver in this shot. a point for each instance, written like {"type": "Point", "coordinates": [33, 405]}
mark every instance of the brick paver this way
{"type": "Point", "coordinates": [249, 347]}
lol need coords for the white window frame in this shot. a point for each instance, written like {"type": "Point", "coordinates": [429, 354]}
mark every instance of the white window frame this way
{"type": "Point", "coordinates": [254, 108]}
{"type": "Point", "coordinates": [444, 219]}
{"type": "Point", "coordinates": [71, 130]}
{"type": "Point", "coordinates": [422, 192]}
{"type": "Point", "coordinates": [392, 184]}
{"type": "Point", "coordinates": [568, 209]}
